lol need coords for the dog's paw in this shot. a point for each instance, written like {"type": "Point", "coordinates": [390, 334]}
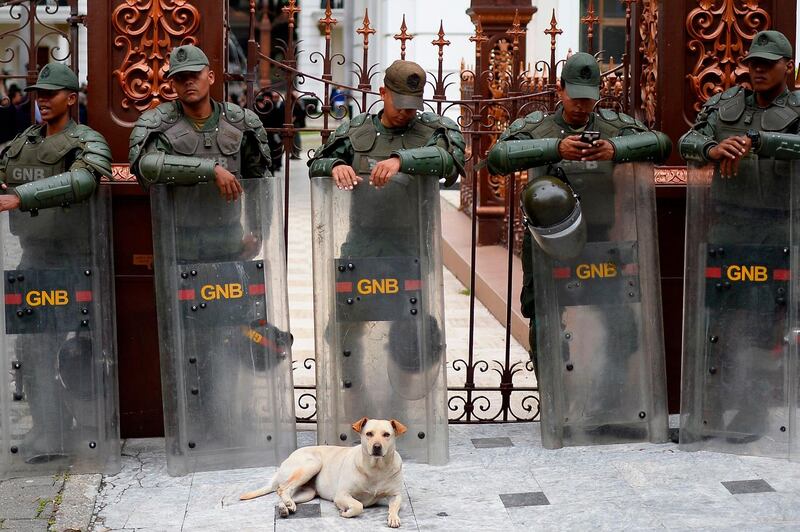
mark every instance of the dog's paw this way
{"type": "Point", "coordinates": [393, 522]}
{"type": "Point", "coordinates": [283, 511]}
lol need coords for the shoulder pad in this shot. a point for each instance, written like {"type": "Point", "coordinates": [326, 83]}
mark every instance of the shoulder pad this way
{"type": "Point", "coordinates": [342, 130]}
{"type": "Point", "coordinates": [714, 100]}
{"type": "Point", "coordinates": [234, 113]}
{"type": "Point", "coordinates": [516, 126]}
{"type": "Point", "coordinates": [794, 98]}
{"type": "Point", "coordinates": [626, 119]}
{"type": "Point", "coordinates": [535, 117]}
{"type": "Point", "coordinates": [355, 122]}
{"type": "Point", "coordinates": [251, 119]}
{"type": "Point", "coordinates": [433, 120]}
{"type": "Point", "coordinates": [449, 123]}
{"type": "Point", "coordinates": [339, 133]}
{"type": "Point", "coordinates": [610, 115]}
{"type": "Point", "coordinates": [457, 138]}
{"type": "Point", "coordinates": [428, 117]}
{"type": "Point", "coordinates": [87, 134]}
{"type": "Point", "coordinates": [732, 107]}
{"type": "Point", "coordinates": [150, 119]}
{"type": "Point", "coordinates": [730, 93]}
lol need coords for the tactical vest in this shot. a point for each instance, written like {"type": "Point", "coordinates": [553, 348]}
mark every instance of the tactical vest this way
{"type": "Point", "coordinates": [382, 228]}
{"type": "Point", "coordinates": [754, 189]}
{"type": "Point", "coordinates": [592, 181]}
{"type": "Point", "coordinates": [211, 226]}
{"type": "Point", "coordinates": [32, 157]}
{"type": "Point", "coordinates": [371, 146]}
{"type": "Point", "coordinates": [222, 144]}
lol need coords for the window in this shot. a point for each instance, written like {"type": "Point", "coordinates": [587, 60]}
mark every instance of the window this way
{"type": "Point", "coordinates": [609, 32]}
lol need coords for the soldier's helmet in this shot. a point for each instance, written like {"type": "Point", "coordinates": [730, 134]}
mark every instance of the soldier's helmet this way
{"type": "Point", "coordinates": [552, 213]}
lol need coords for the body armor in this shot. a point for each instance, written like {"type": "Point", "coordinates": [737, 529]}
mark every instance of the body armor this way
{"type": "Point", "coordinates": [37, 168]}
{"type": "Point", "coordinates": [533, 141]}
{"type": "Point", "coordinates": [223, 145]}
{"type": "Point", "coordinates": [415, 147]}
{"type": "Point", "coordinates": [735, 112]}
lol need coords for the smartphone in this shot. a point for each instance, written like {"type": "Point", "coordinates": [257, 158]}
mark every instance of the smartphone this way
{"type": "Point", "coordinates": [590, 136]}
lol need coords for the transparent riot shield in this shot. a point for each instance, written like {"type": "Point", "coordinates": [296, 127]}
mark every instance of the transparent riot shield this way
{"type": "Point", "coordinates": [223, 326]}
{"type": "Point", "coordinates": [58, 389]}
{"type": "Point", "coordinates": [379, 312]}
{"type": "Point", "coordinates": [598, 317]}
{"type": "Point", "coordinates": [736, 370]}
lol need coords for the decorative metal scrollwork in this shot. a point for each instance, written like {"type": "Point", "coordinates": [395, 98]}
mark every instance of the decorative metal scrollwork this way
{"type": "Point", "coordinates": [146, 30]}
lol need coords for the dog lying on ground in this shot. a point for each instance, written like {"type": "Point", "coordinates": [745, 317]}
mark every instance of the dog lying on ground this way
{"type": "Point", "coordinates": [351, 477]}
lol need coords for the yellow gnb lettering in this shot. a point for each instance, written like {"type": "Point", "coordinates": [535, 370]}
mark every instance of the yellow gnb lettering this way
{"type": "Point", "coordinates": [756, 274]}
{"type": "Point", "coordinates": [221, 291]}
{"type": "Point", "coordinates": [378, 286]}
{"type": "Point", "coordinates": [43, 298]}
{"type": "Point", "coordinates": [591, 271]}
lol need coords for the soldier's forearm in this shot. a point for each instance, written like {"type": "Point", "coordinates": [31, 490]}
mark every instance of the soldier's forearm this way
{"type": "Point", "coordinates": [513, 155]}
{"type": "Point", "coordinates": [323, 167]}
{"type": "Point", "coordinates": [784, 146]}
{"type": "Point", "coordinates": [74, 186]}
{"type": "Point", "coordinates": [160, 168]}
{"type": "Point", "coordinates": [694, 146]}
{"type": "Point", "coordinates": [644, 146]}
{"type": "Point", "coordinates": [428, 160]}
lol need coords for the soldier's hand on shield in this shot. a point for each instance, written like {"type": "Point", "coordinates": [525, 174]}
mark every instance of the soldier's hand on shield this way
{"type": "Point", "coordinates": [729, 152]}
{"type": "Point", "coordinates": [8, 202]}
{"type": "Point", "coordinates": [384, 170]}
{"type": "Point", "coordinates": [229, 187]}
{"type": "Point", "coordinates": [572, 148]}
{"type": "Point", "coordinates": [345, 177]}
{"type": "Point", "coordinates": [601, 150]}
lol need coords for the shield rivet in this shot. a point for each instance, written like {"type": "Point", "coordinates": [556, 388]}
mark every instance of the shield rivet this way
{"type": "Point", "coordinates": [343, 436]}
{"type": "Point", "coordinates": [570, 367]}
{"type": "Point", "coordinates": [421, 435]}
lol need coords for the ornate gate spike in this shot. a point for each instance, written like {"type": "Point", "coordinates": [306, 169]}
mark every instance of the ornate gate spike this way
{"type": "Point", "coordinates": [403, 36]}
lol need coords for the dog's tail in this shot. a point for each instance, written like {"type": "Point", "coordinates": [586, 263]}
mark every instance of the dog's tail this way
{"type": "Point", "coordinates": [269, 488]}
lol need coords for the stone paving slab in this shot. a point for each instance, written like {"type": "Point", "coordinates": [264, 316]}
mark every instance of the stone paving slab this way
{"type": "Point", "coordinates": [523, 487]}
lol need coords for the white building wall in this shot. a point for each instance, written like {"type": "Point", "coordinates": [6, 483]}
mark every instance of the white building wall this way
{"type": "Point", "coordinates": [56, 43]}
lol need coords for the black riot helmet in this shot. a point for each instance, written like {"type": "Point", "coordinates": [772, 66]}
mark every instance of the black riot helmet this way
{"type": "Point", "coordinates": [552, 213]}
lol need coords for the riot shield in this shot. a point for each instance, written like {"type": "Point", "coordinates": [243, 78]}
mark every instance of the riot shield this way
{"type": "Point", "coordinates": [598, 316]}
{"type": "Point", "coordinates": [223, 326]}
{"type": "Point", "coordinates": [58, 391]}
{"type": "Point", "coordinates": [739, 266]}
{"type": "Point", "coordinates": [379, 312]}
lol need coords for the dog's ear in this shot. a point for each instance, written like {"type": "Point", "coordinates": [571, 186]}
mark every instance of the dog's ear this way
{"type": "Point", "coordinates": [358, 425]}
{"type": "Point", "coordinates": [398, 427]}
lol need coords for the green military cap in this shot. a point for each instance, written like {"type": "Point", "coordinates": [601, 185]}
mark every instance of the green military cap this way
{"type": "Point", "coordinates": [406, 81]}
{"type": "Point", "coordinates": [186, 58]}
{"type": "Point", "coordinates": [770, 45]}
{"type": "Point", "coordinates": [581, 76]}
{"type": "Point", "coordinates": [54, 77]}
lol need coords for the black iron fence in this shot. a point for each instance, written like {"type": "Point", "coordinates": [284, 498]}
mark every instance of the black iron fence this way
{"type": "Point", "coordinates": [492, 96]}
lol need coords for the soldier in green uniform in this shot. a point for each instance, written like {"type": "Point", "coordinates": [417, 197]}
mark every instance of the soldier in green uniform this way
{"type": "Point", "coordinates": [197, 141]}
{"type": "Point", "coordinates": [543, 142]}
{"type": "Point", "coordinates": [46, 167]}
{"type": "Point", "coordinates": [381, 158]}
{"type": "Point", "coordinates": [750, 135]}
